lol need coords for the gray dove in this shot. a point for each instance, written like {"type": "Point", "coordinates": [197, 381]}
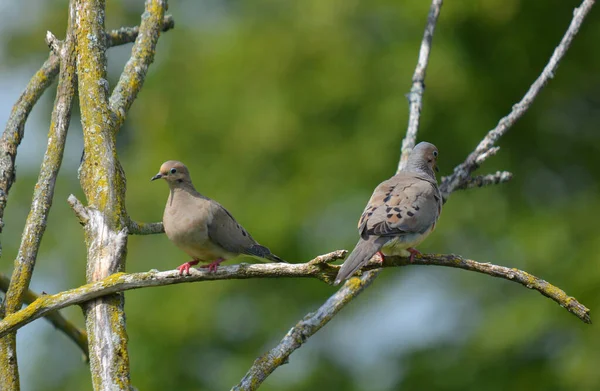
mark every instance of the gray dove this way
{"type": "Point", "coordinates": [401, 213]}
{"type": "Point", "coordinates": [201, 227]}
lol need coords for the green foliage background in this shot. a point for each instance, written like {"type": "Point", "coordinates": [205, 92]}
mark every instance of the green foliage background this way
{"type": "Point", "coordinates": [290, 113]}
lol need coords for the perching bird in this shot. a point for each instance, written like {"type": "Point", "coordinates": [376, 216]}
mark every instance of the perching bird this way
{"type": "Point", "coordinates": [401, 212]}
{"type": "Point", "coordinates": [201, 227]}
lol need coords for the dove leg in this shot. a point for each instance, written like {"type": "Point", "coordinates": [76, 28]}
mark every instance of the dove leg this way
{"type": "Point", "coordinates": [412, 252]}
{"type": "Point", "coordinates": [185, 268]}
{"type": "Point", "coordinates": [381, 256]}
{"type": "Point", "coordinates": [212, 267]}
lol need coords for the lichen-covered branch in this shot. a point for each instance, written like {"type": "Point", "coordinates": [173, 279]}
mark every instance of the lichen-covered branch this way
{"type": "Point", "coordinates": [103, 183]}
{"type": "Point", "coordinates": [74, 333]}
{"type": "Point", "coordinates": [304, 329]}
{"type": "Point", "coordinates": [137, 228]}
{"type": "Point", "coordinates": [486, 147]}
{"type": "Point", "coordinates": [13, 133]}
{"type": "Point", "coordinates": [125, 35]}
{"type": "Point", "coordinates": [415, 96]}
{"type": "Point", "coordinates": [40, 207]}
{"type": "Point", "coordinates": [319, 268]}
{"type": "Point", "coordinates": [142, 55]}
{"type": "Point", "coordinates": [486, 180]}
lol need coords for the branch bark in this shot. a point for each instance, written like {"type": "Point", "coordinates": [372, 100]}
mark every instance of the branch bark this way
{"type": "Point", "coordinates": [40, 206]}
{"type": "Point", "coordinates": [103, 181]}
{"type": "Point", "coordinates": [72, 332]}
{"type": "Point", "coordinates": [319, 268]}
{"type": "Point", "coordinates": [486, 147]}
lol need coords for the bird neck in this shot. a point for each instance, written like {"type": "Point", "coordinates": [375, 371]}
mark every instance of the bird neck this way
{"type": "Point", "coordinates": [420, 167]}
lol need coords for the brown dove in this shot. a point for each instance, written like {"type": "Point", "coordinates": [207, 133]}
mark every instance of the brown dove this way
{"type": "Point", "coordinates": [401, 212]}
{"type": "Point", "coordinates": [201, 227]}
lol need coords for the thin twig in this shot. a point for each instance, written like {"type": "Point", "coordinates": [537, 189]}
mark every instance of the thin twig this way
{"type": "Point", "coordinates": [319, 268]}
{"type": "Point", "coordinates": [473, 161]}
{"type": "Point", "coordinates": [74, 333]}
{"type": "Point", "coordinates": [415, 96]}
{"type": "Point", "coordinates": [486, 180]}
{"type": "Point", "coordinates": [125, 35]}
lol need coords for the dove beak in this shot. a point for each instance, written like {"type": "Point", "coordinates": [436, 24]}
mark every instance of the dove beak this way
{"type": "Point", "coordinates": [157, 176]}
{"type": "Point", "coordinates": [437, 169]}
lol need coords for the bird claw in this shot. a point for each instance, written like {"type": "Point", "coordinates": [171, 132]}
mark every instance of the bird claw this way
{"type": "Point", "coordinates": [185, 268]}
{"type": "Point", "coordinates": [412, 252]}
{"type": "Point", "coordinates": [214, 265]}
{"type": "Point", "coordinates": [381, 257]}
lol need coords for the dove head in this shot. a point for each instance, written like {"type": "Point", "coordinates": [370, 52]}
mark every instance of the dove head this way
{"type": "Point", "coordinates": [174, 172]}
{"type": "Point", "coordinates": [423, 158]}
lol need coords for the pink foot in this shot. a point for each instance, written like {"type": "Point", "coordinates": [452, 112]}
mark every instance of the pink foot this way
{"type": "Point", "coordinates": [412, 252]}
{"type": "Point", "coordinates": [185, 268]}
{"type": "Point", "coordinates": [381, 256]}
{"type": "Point", "coordinates": [212, 267]}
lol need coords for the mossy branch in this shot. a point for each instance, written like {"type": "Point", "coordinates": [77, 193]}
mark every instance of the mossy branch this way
{"type": "Point", "coordinates": [74, 333]}
{"type": "Point", "coordinates": [319, 268]}
{"type": "Point", "coordinates": [103, 181]}
{"type": "Point", "coordinates": [142, 55]}
{"type": "Point", "coordinates": [43, 78]}
{"type": "Point", "coordinates": [40, 206]}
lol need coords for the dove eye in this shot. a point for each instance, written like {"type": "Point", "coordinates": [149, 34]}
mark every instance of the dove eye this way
{"type": "Point", "coordinates": [173, 170]}
{"type": "Point", "coordinates": [435, 153]}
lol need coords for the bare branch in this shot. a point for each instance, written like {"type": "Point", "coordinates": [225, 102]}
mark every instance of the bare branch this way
{"type": "Point", "coordinates": [461, 176]}
{"type": "Point", "coordinates": [136, 228]}
{"type": "Point", "coordinates": [415, 96]}
{"type": "Point", "coordinates": [319, 268]}
{"type": "Point", "coordinates": [129, 34]}
{"type": "Point", "coordinates": [486, 180]}
{"type": "Point", "coordinates": [309, 325]}
{"type": "Point", "coordinates": [487, 145]}
{"type": "Point", "coordinates": [13, 133]}
{"type": "Point", "coordinates": [53, 43]}
{"type": "Point", "coordinates": [74, 333]}
{"type": "Point", "coordinates": [142, 55]}
{"type": "Point", "coordinates": [40, 206]}
{"type": "Point", "coordinates": [79, 210]}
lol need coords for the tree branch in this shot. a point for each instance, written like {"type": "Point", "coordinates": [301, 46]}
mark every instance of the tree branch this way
{"type": "Point", "coordinates": [105, 219]}
{"type": "Point", "coordinates": [103, 183]}
{"type": "Point", "coordinates": [415, 96]}
{"type": "Point", "coordinates": [319, 268]}
{"type": "Point", "coordinates": [142, 55]}
{"type": "Point", "coordinates": [137, 228]}
{"type": "Point", "coordinates": [459, 179]}
{"type": "Point", "coordinates": [74, 333]}
{"type": "Point", "coordinates": [487, 146]}
{"type": "Point", "coordinates": [309, 325]}
{"type": "Point", "coordinates": [14, 131]}
{"type": "Point", "coordinates": [40, 206]}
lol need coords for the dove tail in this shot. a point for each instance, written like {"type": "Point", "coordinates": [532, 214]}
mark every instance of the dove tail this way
{"type": "Point", "coordinates": [274, 258]}
{"type": "Point", "coordinates": [361, 254]}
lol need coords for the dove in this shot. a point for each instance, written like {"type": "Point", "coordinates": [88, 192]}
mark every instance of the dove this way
{"type": "Point", "coordinates": [401, 213]}
{"type": "Point", "coordinates": [202, 227]}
